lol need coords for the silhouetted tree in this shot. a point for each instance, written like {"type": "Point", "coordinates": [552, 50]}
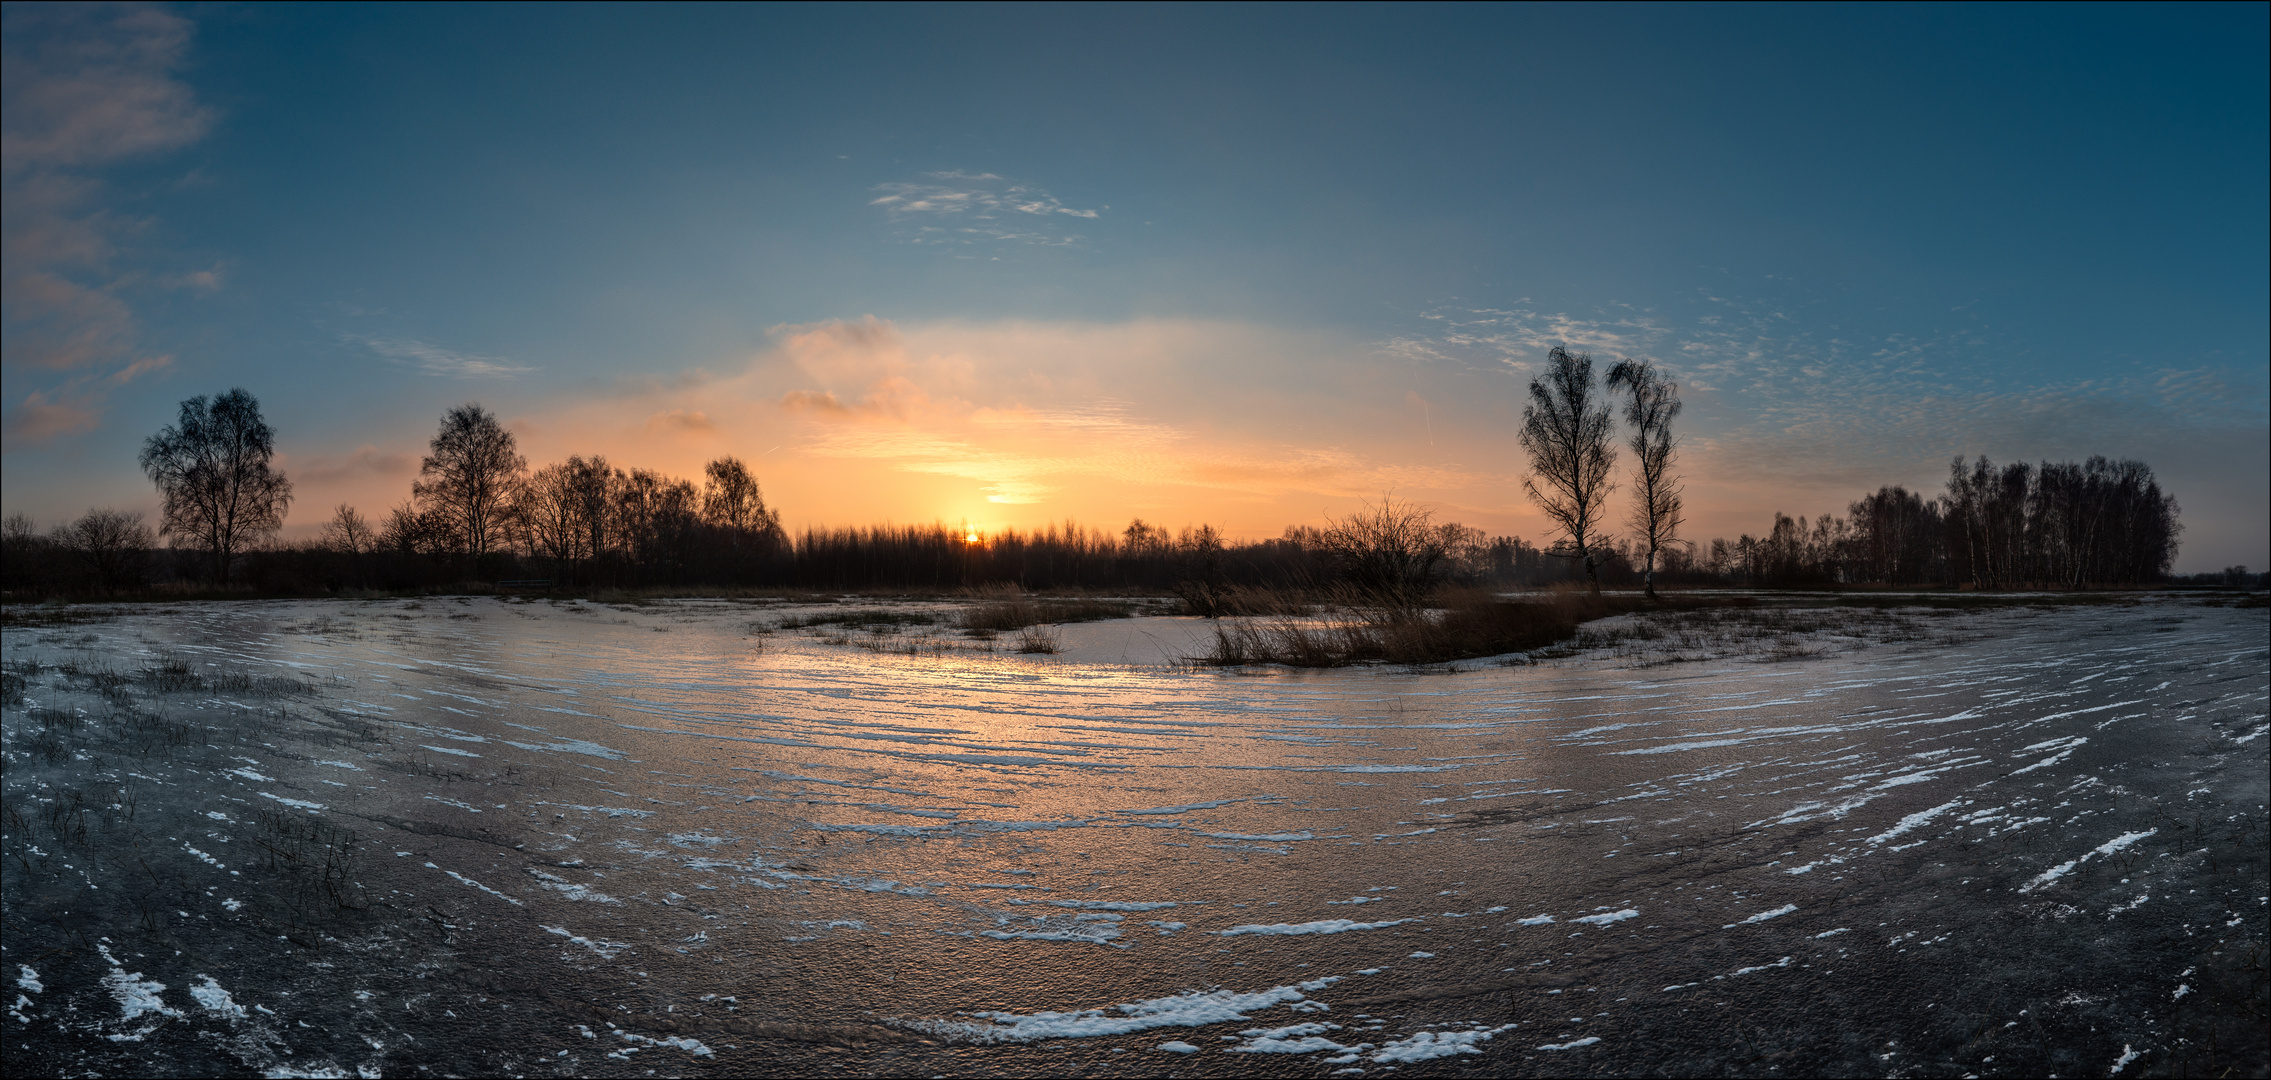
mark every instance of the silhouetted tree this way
{"type": "Point", "coordinates": [348, 533]}
{"type": "Point", "coordinates": [1651, 403]}
{"type": "Point", "coordinates": [411, 531]}
{"type": "Point", "coordinates": [731, 499]}
{"type": "Point", "coordinates": [213, 476]}
{"type": "Point", "coordinates": [1566, 430]}
{"type": "Point", "coordinates": [1390, 551]}
{"type": "Point", "coordinates": [25, 553]}
{"type": "Point", "coordinates": [1896, 537]}
{"type": "Point", "coordinates": [547, 516]}
{"type": "Point", "coordinates": [468, 479]}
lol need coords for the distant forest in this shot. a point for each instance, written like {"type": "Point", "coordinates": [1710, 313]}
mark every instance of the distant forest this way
{"type": "Point", "coordinates": [477, 516]}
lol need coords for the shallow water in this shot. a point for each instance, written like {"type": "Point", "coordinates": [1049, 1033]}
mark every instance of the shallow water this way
{"type": "Point", "coordinates": [605, 840]}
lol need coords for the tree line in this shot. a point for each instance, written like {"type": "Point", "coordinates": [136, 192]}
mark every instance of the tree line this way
{"type": "Point", "coordinates": [2057, 524]}
{"type": "Point", "coordinates": [2053, 525]}
{"type": "Point", "coordinates": [476, 512]}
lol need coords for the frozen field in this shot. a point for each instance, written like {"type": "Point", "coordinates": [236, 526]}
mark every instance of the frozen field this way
{"type": "Point", "coordinates": [631, 840]}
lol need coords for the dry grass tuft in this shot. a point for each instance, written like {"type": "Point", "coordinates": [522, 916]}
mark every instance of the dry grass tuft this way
{"type": "Point", "coordinates": [1465, 625]}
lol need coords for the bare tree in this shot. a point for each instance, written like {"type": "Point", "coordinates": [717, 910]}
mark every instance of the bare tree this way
{"type": "Point", "coordinates": [472, 471]}
{"type": "Point", "coordinates": [213, 478]}
{"type": "Point", "coordinates": [348, 533]}
{"type": "Point", "coordinates": [110, 546]}
{"type": "Point", "coordinates": [1651, 403]}
{"type": "Point", "coordinates": [1566, 430]}
{"type": "Point", "coordinates": [411, 531]}
{"type": "Point", "coordinates": [1391, 550]}
{"type": "Point", "coordinates": [545, 507]}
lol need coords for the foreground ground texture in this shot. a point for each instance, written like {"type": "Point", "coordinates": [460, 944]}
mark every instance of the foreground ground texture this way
{"type": "Point", "coordinates": [488, 837]}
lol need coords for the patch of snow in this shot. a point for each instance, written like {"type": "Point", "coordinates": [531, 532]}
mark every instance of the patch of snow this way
{"type": "Point", "coordinates": [1763, 916]}
{"type": "Point", "coordinates": [1613, 916]}
{"type": "Point", "coordinates": [1188, 1009]}
{"type": "Point", "coordinates": [675, 1042]}
{"type": "Point", "coordinates": [1428, 1045]}
{"type": "Point", "coordinates": [1185, 808]}
{"type": "Point", "coordinates": [1916, 819]}
{"type": "Point", "coordinates": [1573, 1044]}
{"type": "Point", "coordinates": [572, 746]}
{"type": "Point", "coordinates": [1292, 1039]}
{"type": "Point", "coordinates": [1321, 926]}
{"type": "Point", "coordinates": [216, 1000]}
{"type": "Point", "coordinates": [2107, 848]}
{"type": "Point", "coordinates": [462, 879]}
{"type": "Point", "coordinates": [605, 949]}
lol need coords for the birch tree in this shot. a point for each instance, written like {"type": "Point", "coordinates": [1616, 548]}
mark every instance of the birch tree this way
{"type": "Point", "coordinates": [469, 477]}
{"type": "Point", "coordinates": [1651, 401]}
{"type": "Point", "coordinates": [214, 482]}
{"type": "Point", "coordinates": [1566, 430]}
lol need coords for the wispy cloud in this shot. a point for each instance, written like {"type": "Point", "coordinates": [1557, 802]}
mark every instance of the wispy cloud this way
{"type": "Point", "coordinates": [971, 208]}
{"type": "Point", "coordinates": [93, 84]}
{"type": "Point", "coordinates": [434, 360]}
{"type": "Point", "coordinates": [366, 461]}
{"type": "Point", "coordinates": [87, 86]}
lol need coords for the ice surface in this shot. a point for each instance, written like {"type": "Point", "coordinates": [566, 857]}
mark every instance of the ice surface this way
{"type": "Point", "coordinates": [940, 839]}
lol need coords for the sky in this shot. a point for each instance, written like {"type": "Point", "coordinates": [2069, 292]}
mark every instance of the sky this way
{"type": "Point", "coordinates": [1249, 266]}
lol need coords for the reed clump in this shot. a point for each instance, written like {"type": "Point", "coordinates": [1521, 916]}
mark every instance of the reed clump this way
{"type": "Point", "coordinates": [1355, 628]}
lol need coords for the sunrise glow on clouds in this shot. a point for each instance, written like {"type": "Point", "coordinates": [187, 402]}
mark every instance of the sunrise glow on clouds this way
{"type": "Point", "coordinates": [1016, 291]}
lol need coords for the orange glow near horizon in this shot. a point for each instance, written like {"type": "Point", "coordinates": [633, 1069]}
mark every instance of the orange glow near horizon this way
{"type": "Point", "coordinates": [1036, 425]}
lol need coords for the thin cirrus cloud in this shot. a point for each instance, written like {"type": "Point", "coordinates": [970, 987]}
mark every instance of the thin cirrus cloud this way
{"type": "Point", "coordinates": [434, 360]}
{"type": "Point", "coordinates": [87, 87]}
{"type": "Point", "coordinates": [969, 208]}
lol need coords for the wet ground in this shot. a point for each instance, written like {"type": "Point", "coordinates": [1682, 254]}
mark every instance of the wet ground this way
{"type": "Point", "coordinates": [479, 837]}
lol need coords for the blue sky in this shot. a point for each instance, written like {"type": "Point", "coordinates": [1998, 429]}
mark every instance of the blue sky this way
{"type": "Point", "coordinates": [1245, 265]}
